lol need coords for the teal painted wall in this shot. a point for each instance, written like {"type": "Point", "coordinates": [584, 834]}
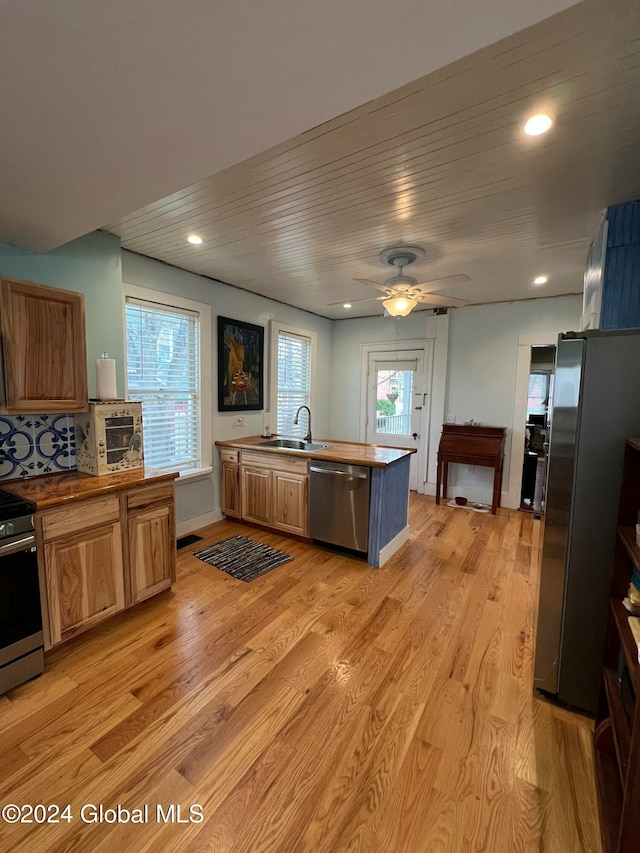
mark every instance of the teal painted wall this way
{"type": "Point", "coordinates": [91, 265]}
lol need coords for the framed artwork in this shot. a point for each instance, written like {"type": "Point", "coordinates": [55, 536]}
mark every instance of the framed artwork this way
{"type": "Point", "coordinates": [240, 365]}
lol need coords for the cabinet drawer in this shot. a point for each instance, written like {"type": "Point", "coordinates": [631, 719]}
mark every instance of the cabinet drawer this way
{"type": "Point", "coordinates": [80, 515]}
{"type": "Point", "coordinates": [275, 461]}
{"type": "Point", "coordinates": [227, 454]}
{"type": "Point", "coordinates": [144, 497]}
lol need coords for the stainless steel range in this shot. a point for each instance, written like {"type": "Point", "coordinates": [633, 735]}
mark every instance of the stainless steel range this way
{"type": "Point", "coordinates": [21, 641]}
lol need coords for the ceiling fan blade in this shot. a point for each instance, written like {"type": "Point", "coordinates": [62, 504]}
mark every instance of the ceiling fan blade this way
{"type": "Point", "coordinates": [364, 299]}
{"type": "Point", "coordinates": [439, 283]}
{"type": "Point", "coordinates": [442, 301]}
{"type": "Point", "coordinates": [377, 284]}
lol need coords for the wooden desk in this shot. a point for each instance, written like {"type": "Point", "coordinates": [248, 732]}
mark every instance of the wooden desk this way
{"type": "Point", "coordinates": [471, 445]}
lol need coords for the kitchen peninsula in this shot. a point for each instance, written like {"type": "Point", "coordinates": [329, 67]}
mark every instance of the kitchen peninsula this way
{"type": "Point", "coordinates": [104, 544]}
{"type": "Point", "coordinates": [266, 483]}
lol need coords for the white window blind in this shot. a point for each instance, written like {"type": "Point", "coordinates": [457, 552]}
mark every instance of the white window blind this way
{"type": "Point", "coordinates": [294, 382]}
{"type": "Point", "coordinates": [163, 372]}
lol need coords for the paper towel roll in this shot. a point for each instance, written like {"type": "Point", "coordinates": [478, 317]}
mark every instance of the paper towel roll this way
{"type": "Point", "coordinates": [106, 379]}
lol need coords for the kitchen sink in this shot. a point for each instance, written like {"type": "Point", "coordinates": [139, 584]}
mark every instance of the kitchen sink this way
{"type": "Point", "coordinates": [293, 444]}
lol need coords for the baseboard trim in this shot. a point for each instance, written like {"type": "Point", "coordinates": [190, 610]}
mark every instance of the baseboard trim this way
{"type": "Point", "coordinates": [388, 550]}
{"type": "Point", "coordinates": [471, 493]}
{"type": "Point", "coordinates": [191, 524]}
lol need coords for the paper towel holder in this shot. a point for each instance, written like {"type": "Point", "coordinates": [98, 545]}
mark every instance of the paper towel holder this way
{"type": "Point", "coordinates": [106, 388]}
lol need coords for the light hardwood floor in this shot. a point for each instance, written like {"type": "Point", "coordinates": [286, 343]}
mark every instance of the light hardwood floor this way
{"type": "Point", "coordinates": [326, 706]}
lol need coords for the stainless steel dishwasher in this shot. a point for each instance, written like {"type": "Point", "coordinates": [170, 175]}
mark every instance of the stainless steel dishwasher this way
{"type": "Point", "coordinates": [339, 504]}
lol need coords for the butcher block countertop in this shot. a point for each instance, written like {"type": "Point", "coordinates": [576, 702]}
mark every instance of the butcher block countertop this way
{"type": "Point", "coordinates": [56, 489]}
{"type": "Point", "coordinates": [351, 453]}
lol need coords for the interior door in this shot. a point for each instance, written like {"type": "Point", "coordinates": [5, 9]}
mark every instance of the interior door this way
{"type": "Point", "coordinates": [398, 405]}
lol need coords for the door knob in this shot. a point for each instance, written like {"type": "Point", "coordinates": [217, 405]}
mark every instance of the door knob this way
{"type": "Point", "coordinates": [415, 436]}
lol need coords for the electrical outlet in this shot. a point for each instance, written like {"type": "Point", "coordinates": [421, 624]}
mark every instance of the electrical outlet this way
{"type": "Point", "coordinates": [451, 419]}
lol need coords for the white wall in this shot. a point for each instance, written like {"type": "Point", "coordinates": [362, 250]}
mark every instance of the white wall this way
{"type": "Point", "coordinates": [348, 335]}
{"type": "Point", "coordinates": [483, 348]}
{"type": "Point", "coordinates": [346, 392]}
{"type": "Point", "coordinates": [200, 498]}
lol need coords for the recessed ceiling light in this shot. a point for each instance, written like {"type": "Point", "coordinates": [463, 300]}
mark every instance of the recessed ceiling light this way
{"type": "Point", "coordinates": [537, 124]}
{"type": "Point", "coordinates": [193, 238]}
{"type": "Point", "coordinates": [541, 279]}
{"type": "Point", "coordinates": [347, 305]}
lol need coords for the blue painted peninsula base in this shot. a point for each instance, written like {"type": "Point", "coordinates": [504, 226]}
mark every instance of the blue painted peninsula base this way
{"type": "Point", "coordinates": [388, 510]}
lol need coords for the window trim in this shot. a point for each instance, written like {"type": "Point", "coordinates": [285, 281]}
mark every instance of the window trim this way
{"type": "Point", "coordinates": [170, 300]}
{"type": "Point", "coordinates": [276, 328]}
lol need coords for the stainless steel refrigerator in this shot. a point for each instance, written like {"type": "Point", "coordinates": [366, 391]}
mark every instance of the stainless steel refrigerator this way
{"type": "Point", "coordinates": [596, 406]}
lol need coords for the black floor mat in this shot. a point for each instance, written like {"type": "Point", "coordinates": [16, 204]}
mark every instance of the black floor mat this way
{"type": "Point", "coordinates": [242, 558]}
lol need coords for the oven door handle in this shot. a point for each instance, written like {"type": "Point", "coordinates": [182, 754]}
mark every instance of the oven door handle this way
{"type": "Point", "coordinates": [17, 545]}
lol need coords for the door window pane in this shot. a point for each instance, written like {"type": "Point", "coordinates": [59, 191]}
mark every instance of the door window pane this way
{"type": "Point", "coordinates": [394, 393]}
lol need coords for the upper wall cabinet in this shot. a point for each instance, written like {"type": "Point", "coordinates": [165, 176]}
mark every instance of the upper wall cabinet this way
{"type": "Point", "coordinates": [44, 348]}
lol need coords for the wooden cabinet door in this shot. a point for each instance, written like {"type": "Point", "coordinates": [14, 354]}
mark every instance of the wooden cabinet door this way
{"type": "Point", "coordinates": [230, 497]}
{"type": "Point", "coordinates": [290, 502]}
{"type": "Point", "coordinates": [256, 494]}
{"type": "Point", "coordinates": [84, 580]}
{"type": "Point", "coordinates": [43, 342]}
{"type": "Point", "coordinates": [152, 552]}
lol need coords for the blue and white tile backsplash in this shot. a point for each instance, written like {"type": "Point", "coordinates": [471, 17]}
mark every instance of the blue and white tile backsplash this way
{"type": "Point", "coordinates": [36, 444]}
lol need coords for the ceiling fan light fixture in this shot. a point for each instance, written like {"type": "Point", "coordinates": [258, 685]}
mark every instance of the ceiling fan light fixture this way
{"type": "Point", "coordinates": [399, 306]}
{"type": "Point", "coordinates": [538, 124]}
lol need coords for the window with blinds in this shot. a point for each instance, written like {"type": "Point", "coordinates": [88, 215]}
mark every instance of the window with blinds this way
{"type": "Point", "coordinates": [294, 382]}
{"type": "Point", "coordinates": [163, 372]}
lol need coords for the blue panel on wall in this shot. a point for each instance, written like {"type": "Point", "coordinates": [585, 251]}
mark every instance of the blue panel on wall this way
{"type": "Point", "coordinates": [621, 286]}
{"type": "Point", "coordinates": [624, 224]}
{"type": "Point", "coordinates": [621, 291]}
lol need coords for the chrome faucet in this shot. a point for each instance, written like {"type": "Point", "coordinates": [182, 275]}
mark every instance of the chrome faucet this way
{"type": "Point", "coordinates": [307, 437]}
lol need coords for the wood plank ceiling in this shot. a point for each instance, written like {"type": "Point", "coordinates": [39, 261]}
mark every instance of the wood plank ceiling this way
{"type": "Point", "coordinates": [442, 163]}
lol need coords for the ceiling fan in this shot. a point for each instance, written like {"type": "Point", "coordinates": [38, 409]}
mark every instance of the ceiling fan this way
{"type": "Point", "coordinates": [403, 292]}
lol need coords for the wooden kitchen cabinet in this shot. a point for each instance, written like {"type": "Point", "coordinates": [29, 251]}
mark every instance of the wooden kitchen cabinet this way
{"type": "Point", "coordinates": [82, 565]}
{"type": "Point", "coordinates": [43, 348]}
{"type": "Point", "coordinates": [274, 490]}
{"type": "Point", "coordinates": [84, 580]}
{"type": "Point", "coordinates": [230, 483]}
{"type": "Point", "coordinates": [151, 553]}
{"type": "Point", "coordinates": [230, 491]}
{"type": "Point", "coordinates": [104, 554]}
{"type": "Point", "coordinates": [152, 540]}
{"type": "Point", "coordinates": [290, 502]}
{"type": "Point", "coordinates": [256, 494]}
